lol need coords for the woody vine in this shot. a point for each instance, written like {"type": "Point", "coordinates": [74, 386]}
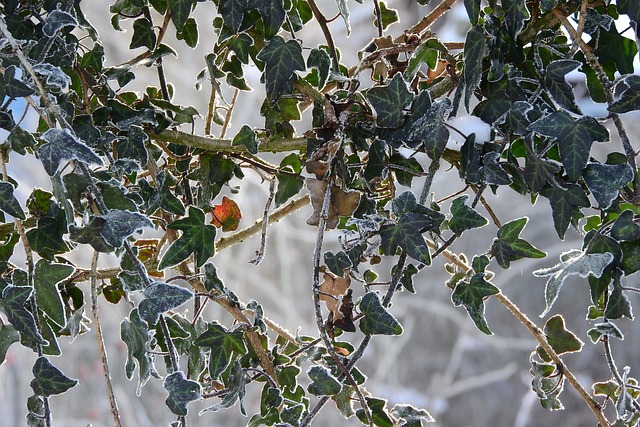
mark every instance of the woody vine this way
{"type": "Point", "coordinates": [123, 162]}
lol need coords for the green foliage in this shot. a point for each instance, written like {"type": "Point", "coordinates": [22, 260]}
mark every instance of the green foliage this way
{"type": "Point", "coordinates": [130, 177]}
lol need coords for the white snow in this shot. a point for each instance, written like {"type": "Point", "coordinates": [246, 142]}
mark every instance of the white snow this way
{"type": "Point", "coordinates": [466, 125]}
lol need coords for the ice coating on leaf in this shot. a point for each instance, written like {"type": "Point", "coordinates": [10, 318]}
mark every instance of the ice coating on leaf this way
{"type": "Point", "coordinates": [461, 127]}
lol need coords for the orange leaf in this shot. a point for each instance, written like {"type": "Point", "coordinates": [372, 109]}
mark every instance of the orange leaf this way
{"type": "Point", "coordinates": [226, 215]}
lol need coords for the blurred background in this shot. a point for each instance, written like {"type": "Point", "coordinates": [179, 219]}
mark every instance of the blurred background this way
{"type": "Point", "coordinates": [441, 363]}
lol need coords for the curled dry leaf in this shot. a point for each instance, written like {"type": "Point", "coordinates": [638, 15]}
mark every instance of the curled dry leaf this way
{"type": "Point", "coordinates": [318, 163]}
{"type": "Point", "coordinates": [345, 202]}
{"type": "Point", "coordinates": [342, 202]}
{"type": "Point", "coordinates": [335, 293]}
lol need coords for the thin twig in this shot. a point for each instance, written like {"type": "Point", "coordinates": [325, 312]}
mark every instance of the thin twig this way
{"type": "Point", "coordinates": [227, 116]}
{"type": "Point", "coordinates": [428, 20]}
{"type": "Point", "coordinates": [322, 21]}
{"type": "Point", "coordinates": [265, 224]}
{"type": "Point", "coordinates": [378, 13]}
{"type": "Point", "coordinates": [101, 347]}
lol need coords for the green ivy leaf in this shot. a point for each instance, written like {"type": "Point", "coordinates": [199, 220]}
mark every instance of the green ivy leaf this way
{"type": "Point", "coordinates": [189, 33]}
{"type": "Point", "coordinates": [574, 138]}
{"type": "Point", "coordinates": [323, 383]}
{"type": "Point", "coordinates": [181, 392]}
{"type": "Point", "coordinates": [288, 187]}
{"type": "Point", "coordinates": [161, 297]}
{"type": "Point", "coordinates": [559, 338]}
{"type": "Point", "coordinates": [471, 295]}
{"type": "Point", "coordinates": [389, 101]}
{"type": "Point", "coordinates": [630, 97]}
{"type": "Point", "coordinates": [143, 34]}
{"type": "Point", "coordinates": [91, 234]}
{"type": "Point", "coordinates": [232, 12]}
{"type": "Point", "coordinates": [615, 48]}
{"type": "Point", "coordinates": [214, 172]}
{"type": "Point", "coordinates": [61, 145]}
{"type": "Point", "coordinates": [515, 13]}
{"type": "Point", "coordinates": [213, 283]}
{"type": "Point", "coordinates": [57, 20]}
{"type": "Point", "coordinates": [475, 50]}
{"type": "Point", "coordinates": [246, 137]}
{"type": "Point", "coordinates": [222, 344]}
{"type": "Point", "coordinates": [320, 59]}
{"type": "Point", "coordinates": [14, 87]}
{"type": "Point", "coordinates": [343, 9]}
{"type": "Point", "coordinates": [281, 60]}
{"type": "Point", "coordinates": [630, 8]}
{"type": "Point", "coordinates": [573, 262]}
{"type": "Point", "coordinates": [8, 336]}
{"type": "Point", "coordinates": [618, 304]}
{"type": "Point", "coordinates": [556, 84]}
{"type": "Point", "coordinates": [407, 235]}
{"type": "Point", "coordinates": [8, 202]}
{"type": "Point", "coordinates": [473, 10]}
{"type": "Point", "coordinates": [464, 217]}
{"type": "Point", "coordinates": [378, 412]}
{"type": "Point", "coordinates": [19, 140]}
{"type": "Point", "coordinates": [564, 202]}
{"type": "Point", "coordinates": [377, 161]}
{"type": "Point", "coordinates": [133, 146]}
{"type": "Point", "coordinates": [13, 302]}
{"type": "Point", "coordinates": [272, 13]}
{"type": "Point", "coordinates": [377, 320]}
{"type": "Point", "coordinates": [608, 329]}
{"type": "Point", "coordinates": [180, 11]}
{"type": "Point", "coordinates": [604, 181]}
{"type": "Point", "coordinates": [337, 263]}
{"type": "Point", "coordinates": [118, 225]}
{"type": "Point", "coordinates": [46, 278]}
{"type": "Point", "coordinates": [135, 333]}
{"type": "Point", "coordinates": [197, 238]}
{"type": "Point", "coordinates": [49, 380]}
{"type": "Point", "coordinates": [388, 16]}
{"type": "Point", "coordinates": [538, 172]}
{"type": "Point", "coordinates": [46, 239]}
{"type": "Point", "coordinates": [510, 247]}
{"type": "Point", "coordinates": [624, 228]}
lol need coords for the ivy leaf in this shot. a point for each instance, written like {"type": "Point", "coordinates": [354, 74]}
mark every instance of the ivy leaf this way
{"type": "Point", "coordinates": [574, 138]}
{"type": "Point", "coordinates": [181, 392]}
{"type": "Point", "coordinates": [473, 10]}
{"type": "Point", "coordinates": [556, 84]}
{"type": "Point", "coordinates": [491, 170]}
{"type": "Point", "coordinates": [388, 16]}
{"type": "Point", "coordinates": [14, 88]}
{"type": "Point", "coordinates": [13, 301]}
{"type": "Point", "coordinates": [161, 297]}
{"type": "Point", "coordinates": [164, 197]}
{"type": "Point", "coordinates": [57, 20]}
{"type": "Point", "coordinates": [343, 9]}
{"type": "Point", "coordinates": [471, 295]}
{"type": "Point", "coordinates": [337, 263]}
{"type": "Point", "coordinates": [377, 320]}
{"type": "Point", "coordinates": [538, 172]}
{"type": "Point", "coordinates": [604, 181]}
{"type": "Point", "coordinates": [8, 202]}
{"type": "Point", "coordinates": [121, 224]}
{"type": "Point", "coordinates": [246, 137]}
{"type": "Point", "coordinates": [320, 59]}
{"type": "Point", "coordinates": [412, 416]}
{"type": "Point", "coordinates": [180, 11]}
{"type": "Point", "coordinates": [91, 234]}
{"type": "Point", "coordinates": [389, 101]}
{"type": "Point", "coordinates": [226, 215]}
{"type": "Point", "coordinates": [133, 146]}
{"type": "Point", "coordinates": [618, 304]}
{"type": "Point", "coordinates": [510, 247]}
{"type": "Point", "coordinates": [559, 338]}
{"type": "Point", "coordinates": [407, 234]}
{"type": "Point", "coordinates": [8, 336]}
{"type": "Point", "coordinates": [464, 217]}
{"type": "Point", "coordinates": [143, 34]}
{"type": "Point", "coordinates": [564, 201]}
{"type": "Point", "coordinates": [281, 60]}
{"type": "Point", "coordinates": [135, 333]}
{"type": "Point", "coordinates": [475, 50]}
{"type": "Point", "coordinates": [222, 344]}
{"type": "Point", "coordinates": [189, 33]}
{"type": "Point", "coordinates": [197, 237]}
{"type": "Point", "coordinates": [608, 329]}
{"type": "Point", "coordinates": [515, 13]}
{"type": "Point", "coordinates": [232, 12]}
{"type": "Point", "coordinates": [547, 5]}
{"type": "Point", "coordinates": [378, 412]}
{"type": "Point", "coordinates": [630, 8]}
{"type": "Point", "coordinates": [288, 187]}
{"type": "Point", "coordinates": [272, 13]}
{"type": "Point", "coordinates": [630, 97]}
{"type": "Point", "coordinates": [61, 145]}
{"type": "Point", "coordinates": [45, 283]}
{"type": "Point", "coordinates": [49, 380]}
{"type": "Point", "coordinates": [573, 262]}
{"type": "Point", "coordinates": [323, 383]}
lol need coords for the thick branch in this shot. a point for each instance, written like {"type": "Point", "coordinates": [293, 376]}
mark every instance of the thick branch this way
{"type": "Point", "coordinates": [225, 145]}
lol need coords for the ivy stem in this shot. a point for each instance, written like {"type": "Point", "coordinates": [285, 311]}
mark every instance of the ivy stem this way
{"type": "Point", "coordinates": [101, 347]}
{"type": "Point", "coordinates": [326, 204]}
{"type": "Point", "coordinates": [428, 20]}
{"type": "Point", "coordinates": [539, 336]}
{"type": "Point", "coordinates": [322, 21]}
{"type": "Point", "coordinates": [227, 116]}
{"type": "Point", "coordinates": [378, 13]}
{"type": "Point", "coordinates": [265, 223]}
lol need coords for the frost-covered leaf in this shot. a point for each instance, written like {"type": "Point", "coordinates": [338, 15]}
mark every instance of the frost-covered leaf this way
{"type": "Point", "coordinates": [54, 77]}
{"type": "Point", "coordinates": [8, 202]}
{"type": "Point", "coordinates": [13, 303]}
{"type": "Point", "coordinates": [604, 181]}
{"type": "Point", "coordinates": [133, 146]}
{"type": "Point", "coordinates": [607, 329]}
{"type": "Point", "coordinates": [559, 338]}
{"type": "Point", "coordinates": [343, 9]}
{"type": "Point", "coordinates": [247, 138]}
{"type": "Point", "coordinates": [320, 59]}
{"type": "Point", "coordinates": [377, 320]}
{"type": "Point", "coordinates": [407, 235]}
{"type": "Point", "coordinates": [45, 283]}
{"type": "Point", "coordinates": [573, 262]}
{"type": "Point", "coordinates": [510, 247]}
{"type": "Point", "coordinates": [556, 84]}
{"type": "Point", "coordinates": [189, 33]}
{"type": "Point", "coordinates": [140, 342]}
{"type": "Point", "coordinates": [464, 217]}
{"type": "Point", "coordinates": [49, 380]}
{"type": "Point", "coordinates": [515, 13]}
{"type": "Point", "coordinates": [475, 50]}
{"type": "Point", "coordinates": [61, 146]}
{"type": "Point", "coordinates": [181, 392]}
{"type": "Point", "coordinates": [121, 224]}
{"type": "Point", "coordinates": [473, 10]}
{"type": "Point", "coordinates": [411, 416]}
{"type": "Point", "coordinates": [338, 262]}
{"type": "Point", "coordinates": [197, 237]}
{"type": "Point", "coordinates": [223, 345]}
{"type": "Point", "coordinates": [471, 295]}
{"type": "Point", "coordinates": [161, 297]}
{"type": "Point", "coordinates": [564, 201]}
{"type": "Point", "coordinates": [323, 383]}
{"type": "Point", "coordinates": [379, 414]}
{"type": "Point", "coordinates": [618, 304]}
{"type": "Point", "coordinates": [389, 101]}
{"type": "Point", "coordinates": [282, 58]}
{"type": "Point", "coordinates": [57, 20]}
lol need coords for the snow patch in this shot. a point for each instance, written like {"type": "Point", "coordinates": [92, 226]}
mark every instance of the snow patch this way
{"type": "Point", "coordinates": [466, 125]}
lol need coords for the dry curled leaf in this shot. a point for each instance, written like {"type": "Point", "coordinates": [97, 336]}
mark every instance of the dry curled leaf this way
{"type": "Point", "coordinates": [335, 293]}
{"type": "Point", "coordinates": [342, 202]}
{"type": "Point", "coordinates": [226, 215]}
{"type": "Point", "coordinates": [345, 202]}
